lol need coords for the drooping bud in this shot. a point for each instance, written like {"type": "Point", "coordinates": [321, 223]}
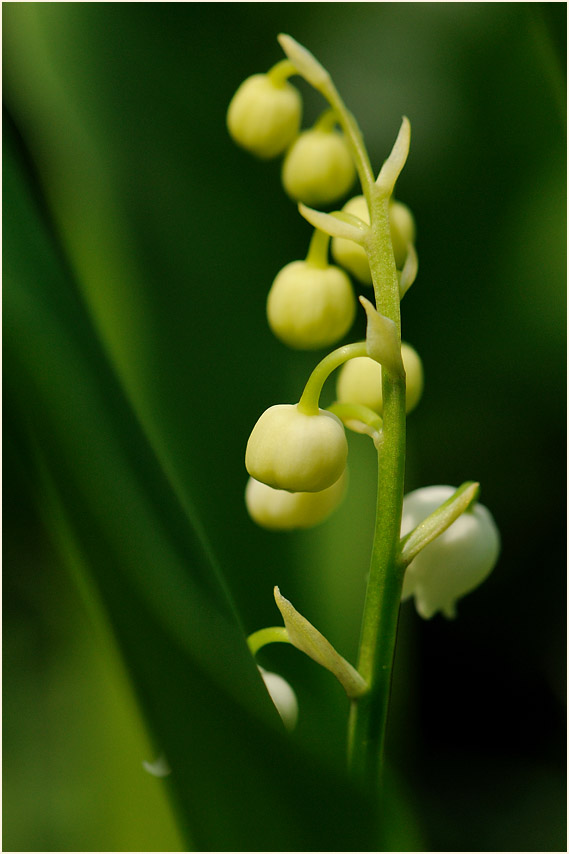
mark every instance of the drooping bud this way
{"type": "Point", "coordinates": [300, 453]}
{"type": "Point", "coordinates": [353, 256]}
{"type": "Point", "coordinates": [454, 563]}
{"type": "Point", "coordinates": [279, 510]}
{"type": "Point", "coordinates": [310, 307]}
{"type": "Point", "coordinates": [359, 381]}
{"type": "Point", "coordinates": [283, 697]}
{"type": "Point", "coordinates": [264, 115]}
{"type": "Point", "coordinates": [318, 168]}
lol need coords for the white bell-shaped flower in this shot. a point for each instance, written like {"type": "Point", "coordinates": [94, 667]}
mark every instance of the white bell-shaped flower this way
{"type": "Point", "coordinates": [282, 696]}
{"type": "Point", "coordinates": [279, 510]}
{"type": "Point", "coordinates": [359, 381]}
{"type": "Point", "coordinates": [288, 449]}
{"type": "Point", "coordinates": [264, 115]}
{"type": "Point", "coordinates": [310, 307]}
{"type": "Point", "coordinates": [318, 167]}
{"type": "Point", "coordinates": [453, 564]}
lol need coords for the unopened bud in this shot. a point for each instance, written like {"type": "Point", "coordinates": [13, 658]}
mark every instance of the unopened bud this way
{"type": "Point", "coordinates": [359, 381]}
{"type": "Point", "coordinates": [310, 307]}
{"type": "Point", "coordinates": [264, 115]}
{"type": "Point", "coordinates": [279, 510]}
{"type": "Point", "coordinates": [318, 168]}
{"type": "Point", "coordinates": [300, 453]}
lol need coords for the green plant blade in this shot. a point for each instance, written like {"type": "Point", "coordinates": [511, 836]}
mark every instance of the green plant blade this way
{"type": "Point", "coordinates": [238, 782]}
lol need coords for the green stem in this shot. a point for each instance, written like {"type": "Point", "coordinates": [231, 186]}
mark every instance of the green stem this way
{"type": "Point", "coordinates": [317, 255]}
{"type": "Point", "coordinates": [326, 121]}
{"type": "Point", "coordinates": [280, 72]}
{"type": "Point", "coordinates": [368, 717]}
{"type": "Point", "coordinates": [348, 412]}
{"type": "Point", "coordinates": [360, 419]}
{"type": "Point", "coordinates": [309, 401]}
{"type": "Point", "coordinates": [273, 634]}
{"type": "Point", "coordinates": [354, 137]}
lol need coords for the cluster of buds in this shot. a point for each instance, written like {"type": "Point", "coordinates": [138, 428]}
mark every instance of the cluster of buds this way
{"type": "Point", "coordinates": [264, 117]}
{"type": "Point", "coordinates": [311, 302]}
{"type": "Point", "coordinates": [296, 454]}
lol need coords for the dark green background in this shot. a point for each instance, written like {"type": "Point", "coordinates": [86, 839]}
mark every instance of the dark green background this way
{"type": "Point", "coordinates": [139, 245]}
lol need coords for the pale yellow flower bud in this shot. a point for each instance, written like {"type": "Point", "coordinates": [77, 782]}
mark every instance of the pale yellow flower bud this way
{"type": "Point", "coordinates": [264, 115]}
{"type": "Point", "coordinates": [353, 257]}
{"type": "Point", "coordinates": [300, 453]}
{"type": "Point", "coordinates": [359, 381]}
{"type": "Point", "coordinates": [318, 168]}
{"type": "Point", "coordinates": [453, 564]}
{"type": "Point", "coordinates": [279, 510]}
{"type": "Point", "coordinates": [309, 307]}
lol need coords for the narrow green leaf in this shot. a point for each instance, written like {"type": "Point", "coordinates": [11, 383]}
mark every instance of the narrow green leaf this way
{"type": "Point", "coordinates": [238, 782]}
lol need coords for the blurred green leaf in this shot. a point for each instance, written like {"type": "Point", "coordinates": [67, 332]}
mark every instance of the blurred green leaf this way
{"type": "Point", "coordinates": [117, 518]}
{"type": "Point", "coordinates": [163, 240]}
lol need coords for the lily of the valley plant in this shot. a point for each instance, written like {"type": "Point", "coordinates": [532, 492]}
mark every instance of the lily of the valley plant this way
{"type": "Point", "coordinates": [437, 543]}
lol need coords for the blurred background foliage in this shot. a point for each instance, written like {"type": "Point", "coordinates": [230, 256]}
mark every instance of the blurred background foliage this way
{"type": "Point", "coordinates": [139, 245]}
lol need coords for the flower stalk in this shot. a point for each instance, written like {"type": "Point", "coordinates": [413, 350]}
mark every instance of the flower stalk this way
{"type": "Point", "coordinates": [308, 403]}
{"type": "Point", "coordinates": [296, 455]}
{"type": "Point", "coordinates": [368, 716]}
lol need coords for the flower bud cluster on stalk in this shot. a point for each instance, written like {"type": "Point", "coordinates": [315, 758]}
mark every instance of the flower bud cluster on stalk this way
{"type": "Point", "coordinates": [297, 453]}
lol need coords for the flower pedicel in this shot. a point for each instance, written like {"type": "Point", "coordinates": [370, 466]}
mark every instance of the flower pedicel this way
{"type": "Point", "coordinates": [438, 543]}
